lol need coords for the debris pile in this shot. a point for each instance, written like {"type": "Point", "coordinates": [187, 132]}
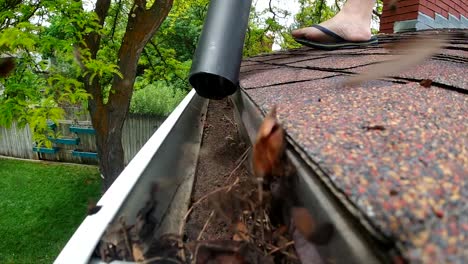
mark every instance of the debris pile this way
{"type": "Point", "coordinates": [267, 223]}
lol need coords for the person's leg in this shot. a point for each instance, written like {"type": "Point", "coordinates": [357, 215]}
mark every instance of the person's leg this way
{"type": "Point", "coordinates": [351, 23]}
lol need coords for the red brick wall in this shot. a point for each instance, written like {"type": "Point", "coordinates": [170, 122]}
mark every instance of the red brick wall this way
{"type": "Point", "coordinates": [408, 9]}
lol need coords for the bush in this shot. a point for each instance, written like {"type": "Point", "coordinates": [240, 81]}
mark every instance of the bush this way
{"type": "Point", "coordinates": [157, 98]}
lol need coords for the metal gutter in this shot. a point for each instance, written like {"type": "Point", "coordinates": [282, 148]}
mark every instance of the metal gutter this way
{"type": "Point", "coordinates": [355, 240]}
{"type": "Point", "coordinates": [168, 158]}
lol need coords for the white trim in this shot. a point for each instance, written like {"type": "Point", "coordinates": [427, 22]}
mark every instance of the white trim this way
{"type": "Point", "coordinates": [426, 22]}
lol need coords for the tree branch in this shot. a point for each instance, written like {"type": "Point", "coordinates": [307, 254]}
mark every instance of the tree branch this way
{"type": "Point", "coordinates": [114, 25]}
{"type": "Point", "coordinates": [163, 59]}
{"type": "Point", "coordinates": [376, 13]}
{"type": "Point", "coordinates": [92, 42]}
{"type": "Point", "coordinates": [337, 6]}
{"type": "Point", "coordinates": [141, 26]}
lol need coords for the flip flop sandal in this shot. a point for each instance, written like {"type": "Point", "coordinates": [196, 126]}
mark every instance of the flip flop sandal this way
{"type": "Point", "coordinates": [339, 43]}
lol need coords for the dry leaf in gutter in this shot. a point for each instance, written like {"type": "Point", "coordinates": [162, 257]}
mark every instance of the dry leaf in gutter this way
{"type": "Point", "coordinates": [241, 232]}
{"type": "Point", "coordinates": [137, 252]}
{"type": "Point", "coordinates": [306, 225]}
{"type": "Point", "coordinates": [303, 221]}
{"type": "Point", "coordinates": [412, 52]}
{"type": "Point", "coordinates": [269, 146]}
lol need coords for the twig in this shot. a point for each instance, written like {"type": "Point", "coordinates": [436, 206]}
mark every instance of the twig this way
{"type": "Point", "coordinates": [206, 225]}
{"type": "Point", "coordinates": [230, 121]}
{"type": "Point", "coordinates": [125, 235]}
{"type": "Point", "coordinates": [337, 6]}
{"type": "Point", "coordinates": [243, 158]}
{"type": "Point", "coordinates": [228, 188]}
{"type": "Point", "coordinates": [276, 249]}
{"type": "Point", "coordinates": [262, 222]}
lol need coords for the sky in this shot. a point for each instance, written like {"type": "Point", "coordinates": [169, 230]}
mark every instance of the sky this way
{"type": "Point", "coordinates": [289, 5]}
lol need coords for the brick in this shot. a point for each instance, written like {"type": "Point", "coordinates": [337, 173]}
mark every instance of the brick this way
{"type": "Point", "coordinates": [426, 11]}
{"type": "Point", "coordinates": [386, 30]}
{"type": "Point", "coordinates": [407, 9]}
{"type": "Point", "coordinates": [456, 5]}
{"type": "Point", "coordinates": [454, 12]}
{"type": "Point", "coordinates": [389, 31]}
{"type": "Point", "coordinates": [462, 6]}
{"type": "Point", "coordinates": [444, 13]}
{"type": "Point", "coordinates": [407, 3]}
{"type": "Point", "coordinates": [443, 6]}
{"type": "Point", "coordinates": [386, 26]}
{"type": "Point", "coordinates": [400, 4]}
{"type": "Point", "coordinates": [408, 16]}
{"type": "Point", "coordinates": [447, 2]}
{"type": "Point", "coordinates": [400, 11]}
{"type": "Point", "coordinates": [388, 14]}
{"type": "Point", "coordinates": [459, 2]}
{"type": "Point", "coordinates": [433, 7]}
{"type": "Point", "coordinates": [385, 20]}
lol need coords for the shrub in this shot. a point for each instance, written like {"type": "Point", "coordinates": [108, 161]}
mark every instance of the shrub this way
{"type": "Point", "coordinates": [157, 98]}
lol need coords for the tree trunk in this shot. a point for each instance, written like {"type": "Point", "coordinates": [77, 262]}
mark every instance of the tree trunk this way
{"type": "Point", "coordinates": [110, 149]}
{"type": "Point", "coordinates": [108, 118]}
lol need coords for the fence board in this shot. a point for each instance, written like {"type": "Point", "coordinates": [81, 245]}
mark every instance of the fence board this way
{"type": "Point", "coordinates": [17, 142]}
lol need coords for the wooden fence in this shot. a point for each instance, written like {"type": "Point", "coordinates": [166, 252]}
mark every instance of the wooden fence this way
{"type": "Point", "coordinates": [17, 142]}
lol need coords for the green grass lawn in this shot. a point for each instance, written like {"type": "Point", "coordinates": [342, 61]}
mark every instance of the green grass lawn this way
{"type": "Point", "coordinates": [41, 205]}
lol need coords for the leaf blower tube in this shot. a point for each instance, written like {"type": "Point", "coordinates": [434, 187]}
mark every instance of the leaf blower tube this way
{"type": "Point", "coordinates": [216, 64]}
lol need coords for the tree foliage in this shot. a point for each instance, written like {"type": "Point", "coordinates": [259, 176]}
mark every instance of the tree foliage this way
{"type": "Point", "coordinates": [38, 86]}
{"type": "Point", "coordinates": [96, 53]}
{"type": "Point", "coordinates": [67, 54]}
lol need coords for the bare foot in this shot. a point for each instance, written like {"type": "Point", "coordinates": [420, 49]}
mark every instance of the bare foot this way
{"type": "Point", "coordinates": [349, 27]}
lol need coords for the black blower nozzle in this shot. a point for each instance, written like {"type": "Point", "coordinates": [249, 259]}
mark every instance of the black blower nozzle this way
{"type": "Point", "coordinates": [216, 64]}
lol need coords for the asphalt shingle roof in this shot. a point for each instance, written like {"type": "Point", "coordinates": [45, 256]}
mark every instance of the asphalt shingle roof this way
{"type": "Point", "coordinates": [398, 150]}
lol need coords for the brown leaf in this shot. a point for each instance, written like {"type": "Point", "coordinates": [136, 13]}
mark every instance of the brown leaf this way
{"type": "Point", "coordinates": [228, 251]}
{"type": "Point", "coordinates": [426, 83]}
{"type": "Point", "coordinates": [241, 232]}
{"type": "Point", "coordinates": [307, 226]}
{"type": "Point", "coordinates": [412, 52]}
{"type": "Point", "coordinates": [269, 146]}
{"type": "Point", "coordinates": [6, 66]}
{"type": "Point", "coordinates": [137, 252]}
{"type": "Point", "coordinates": [303, 221]}
{"type": "Point", "coordinates": [306, 252]}
{"type": "Point", "coordinates": [280, 231]}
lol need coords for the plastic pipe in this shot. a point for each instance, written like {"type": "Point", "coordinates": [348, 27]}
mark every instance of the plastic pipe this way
{"type": "Point", "coordinates": [216, 63]}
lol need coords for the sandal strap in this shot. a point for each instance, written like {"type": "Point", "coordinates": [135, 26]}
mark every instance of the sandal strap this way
{"type": "Point", "coordinates": [329, 33]}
